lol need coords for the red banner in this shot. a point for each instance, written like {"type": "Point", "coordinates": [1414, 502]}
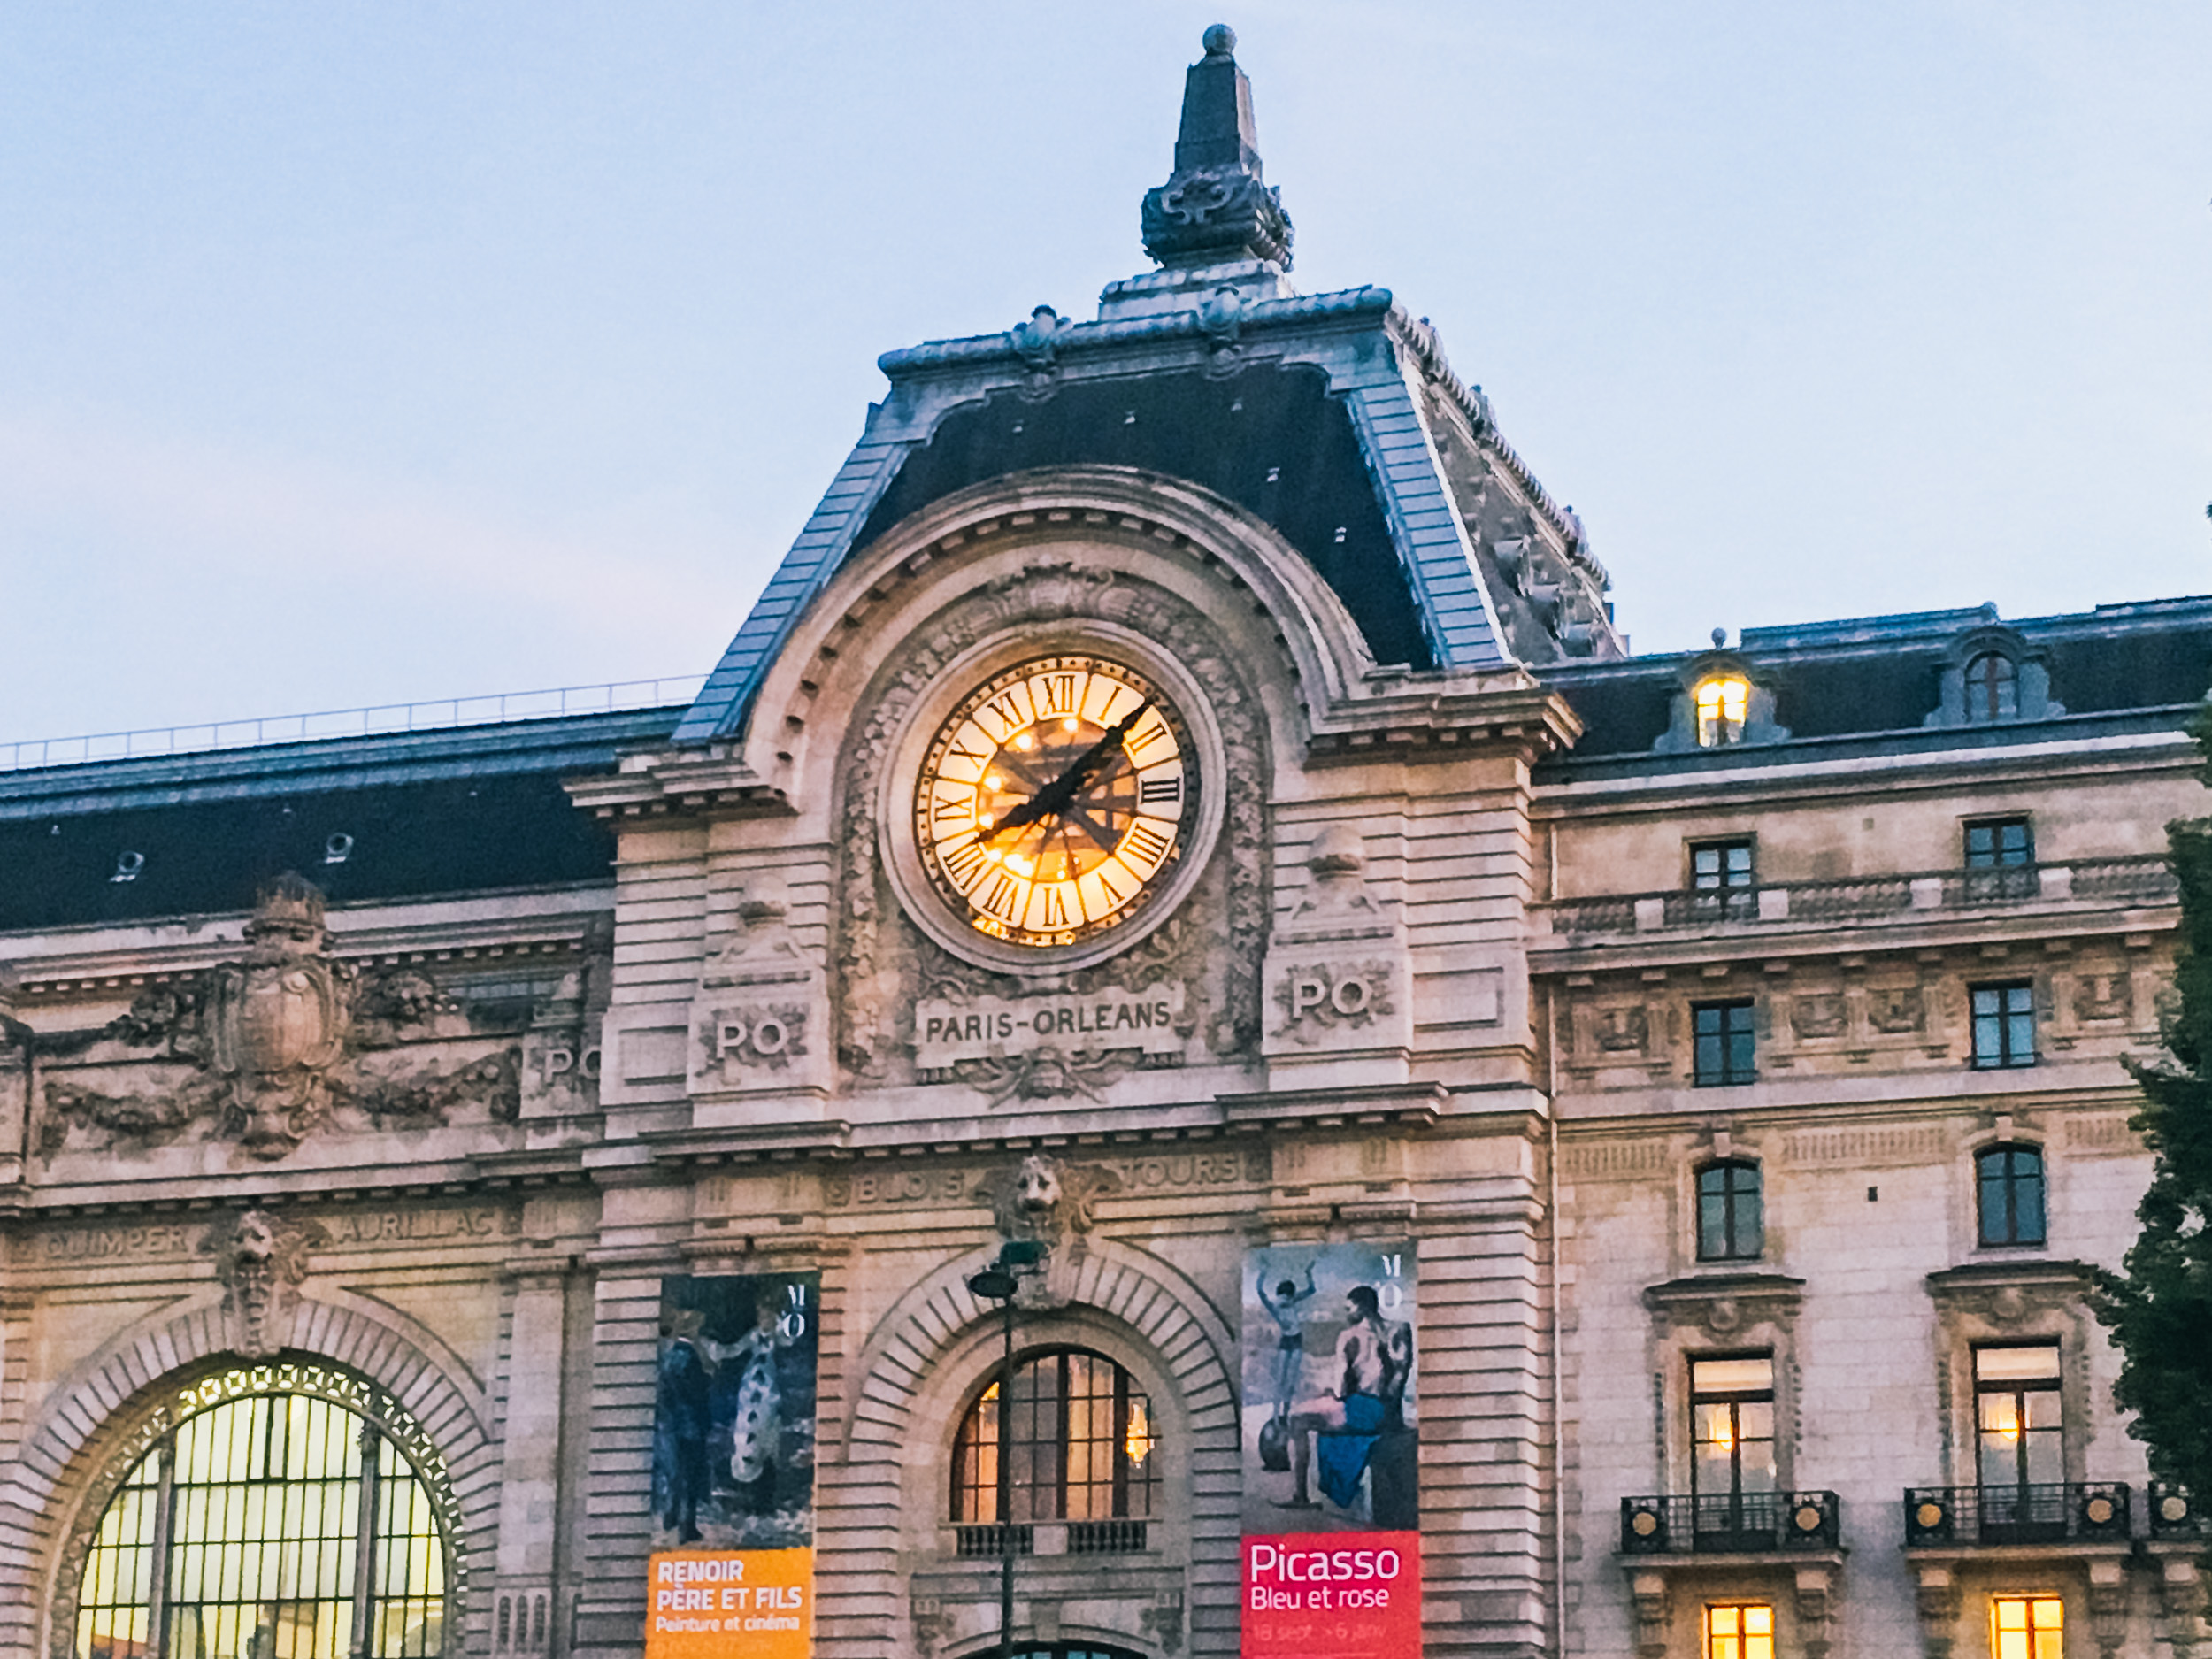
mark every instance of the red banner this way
{"type": "Point", "coordinates": [1350, 1595]}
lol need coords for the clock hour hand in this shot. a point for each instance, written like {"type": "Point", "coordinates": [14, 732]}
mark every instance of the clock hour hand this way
{"type": "Point", "coordinates": [1053, 799]}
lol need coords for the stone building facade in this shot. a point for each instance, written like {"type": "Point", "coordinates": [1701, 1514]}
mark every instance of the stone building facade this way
{"type": "Point", "coordinates": [1733, 1040]}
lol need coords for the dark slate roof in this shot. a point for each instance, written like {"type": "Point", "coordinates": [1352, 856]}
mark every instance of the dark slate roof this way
{"type": "Point", "coordinates": [1329, 390]}
{"type": "Point", "coordinates": [429, 814]}
{"type": "Point", "coordinates": [1271, 440]}
{"type": "Point", "coordinates": [1870, 684]}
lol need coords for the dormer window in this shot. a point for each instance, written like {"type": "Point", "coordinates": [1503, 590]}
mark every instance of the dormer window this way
{"type": "Point", "coordinates": [1993, 688]}
{"type": "Point", "coordinates": [1723, 703]}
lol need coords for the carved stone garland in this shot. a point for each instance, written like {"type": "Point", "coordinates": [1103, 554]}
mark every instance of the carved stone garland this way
{"type": "Point", "coordinates": [1052, 590]}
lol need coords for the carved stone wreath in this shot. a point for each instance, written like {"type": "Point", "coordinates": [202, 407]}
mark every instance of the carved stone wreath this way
{"type": "Point", "coordinates": [1053, 589]}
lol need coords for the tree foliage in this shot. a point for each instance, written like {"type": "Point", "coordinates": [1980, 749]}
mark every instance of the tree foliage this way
{"type": "Point", "coordinates": [2158, 1309]}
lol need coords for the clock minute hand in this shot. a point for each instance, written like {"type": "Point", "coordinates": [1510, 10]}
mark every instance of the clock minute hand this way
{"type": "Point", "coordinates": [1054, 796]}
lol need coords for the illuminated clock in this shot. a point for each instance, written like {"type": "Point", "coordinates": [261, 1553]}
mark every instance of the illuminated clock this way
{"type": "Point", "coordinates": [1057, 801]}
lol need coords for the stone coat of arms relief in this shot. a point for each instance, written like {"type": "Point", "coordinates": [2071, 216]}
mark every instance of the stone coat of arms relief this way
{"type": "Point", "coordinates": [266, 1050]}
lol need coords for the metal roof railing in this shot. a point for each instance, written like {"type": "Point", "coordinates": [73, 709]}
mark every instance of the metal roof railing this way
{"type": "Point", "coordinates": [385, 718]}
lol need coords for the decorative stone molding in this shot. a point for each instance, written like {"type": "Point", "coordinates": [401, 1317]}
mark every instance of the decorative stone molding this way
{"type": "Point", "coordinates": [2108, 1605]}
{"type": "Point", "coordinates": [759, 1016]}
{"type": "Point", "coordinates": [270, 1049]}
{"type": "Point", "coordinates": [1814, 1601]}
{"type": "Point", "coordinates": [1648, 1600]}
{"type": "Point", "coordinates": [2181, 1600]}
{"type": "Point", "coordinates": [883, 963]}
{"type": "Point", "coordinates": [1723, 1307]}
{"type": "Point", "coordinates": [1936, 1599]}
{"type": "Point", "coordinates": [1043, 1200]}
{"type": "Point", "coordinates": [2009, 1301]}
{"type": "Point", "coordinates": [1338, 969]}
{"type": "Point", "coordinates": [262, 1261]}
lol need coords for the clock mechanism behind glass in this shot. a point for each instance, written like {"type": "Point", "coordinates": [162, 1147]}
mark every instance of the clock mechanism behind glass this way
{"type": "Point", "coordinates": [1056, 800]}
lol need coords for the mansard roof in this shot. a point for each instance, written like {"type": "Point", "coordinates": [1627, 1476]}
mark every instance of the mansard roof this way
{"type": "Point", "coordinates": [423, 815]}
{"type": "Point", "coordinates": [1868, 685]}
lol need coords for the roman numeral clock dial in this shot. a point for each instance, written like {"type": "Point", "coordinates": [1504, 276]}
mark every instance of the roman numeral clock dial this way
{"type": "Point", "coordinates": [1056, 801]}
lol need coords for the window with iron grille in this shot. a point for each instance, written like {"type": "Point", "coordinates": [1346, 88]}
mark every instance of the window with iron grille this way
{"type": "Point", "coordinates": [270, 1523]}
{"type": "Point", "coordinates": [2004, 1025]}
{"type": "Point", "coordinates": [1078, 1439]}
{"type": "Point", "coordinates": [1720, 866]}
{"type": "Point", "coordinates": [1730, 1224]}
{"type": "Point", "coordinates": [1722, 1045]}
{"type": "Point", "coordinates": [1996, 843]}
{"type": "Point", "coordinates": [1739, 1630]}
{"type": "Point", "coordinates": [2009, 1195]}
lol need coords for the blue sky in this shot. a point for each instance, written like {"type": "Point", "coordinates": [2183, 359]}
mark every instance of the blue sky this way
{"type": "Point", "coordinates": [352, 353]}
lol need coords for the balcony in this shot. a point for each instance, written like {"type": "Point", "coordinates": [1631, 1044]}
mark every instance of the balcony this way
{"type": "Point", "coordinates": [1756, 1524]}
{"type": "Point", "coordinates": [987, 1542]}
{"type": "Point", "coordinates": [2075, 1512]}
{"type": "Point", "coordinates": [2175, 1517]}
{"type": "Point", "coordinates": [2103, 883]}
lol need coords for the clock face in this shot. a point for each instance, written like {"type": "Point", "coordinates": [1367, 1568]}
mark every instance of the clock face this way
{"type": "Point", "coordinates": [1056, 800]}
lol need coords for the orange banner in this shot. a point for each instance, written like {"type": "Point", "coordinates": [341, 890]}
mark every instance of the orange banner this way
{"type": "Point", "coordinates": [730, 1604]}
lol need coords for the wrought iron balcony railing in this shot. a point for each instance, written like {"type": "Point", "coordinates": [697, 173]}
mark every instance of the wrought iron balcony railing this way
{"type": "Point", "coordinates": [2174, 1513]}
{"type": "Point", "coordinates": [1755, 1522]}
{"type": "Point", "coordinates": [2109, 881]}
{"type": "Point", "coordinates": [2087, 1510]}
{"type": "Point", "coordinates": [987, 1542]}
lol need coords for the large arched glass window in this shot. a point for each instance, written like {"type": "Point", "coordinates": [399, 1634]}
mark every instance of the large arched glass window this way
{"type": "Point", "coordinates": [1081, 1449]}
{"type": "Point", "coordinates": [267, 1523]}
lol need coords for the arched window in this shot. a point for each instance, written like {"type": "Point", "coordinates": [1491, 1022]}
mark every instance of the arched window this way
{"type": "Point", "coordinates": [264, 1521]}
{"type": "Point", "coordinates": [1730, 1226]}
{"type": "Point", "coordinates": [1993, 688]}
{"type": "Point", "coordinates": [2009, 1193]}
{"type": "Point", "coordinates": [1079, 1446]}
{"type": "Point", "coordinates": [1723, 703]}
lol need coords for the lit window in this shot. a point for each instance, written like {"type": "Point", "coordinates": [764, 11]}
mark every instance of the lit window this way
{"type": "Point", "coordinates": [2009, 1195]}
{"type": "Point", "coordinates": [270, 1523]}
{"type": "Point", "coordinates": [1079, 1439]}
{"type": "Point", "coordinates": [1998, 843]}
{"type": "Point", "coordinates": [2027, 1627]}
{"type": "Point", "coordinates": [1732, 1468]}
{"type": "Point", "coordinates": [1723, 1048]}
{"type": "Point", "coordinates": [1730, 1227]}
{"type": "Point", "coordinates": [1743, 1630]}
{"type": "Point", "coordinates": [2019, 1440]}
{"type": "Point", "coordinates": [1723, 701]}
{"type": "Point", "coordinates": [1718, 866]}
{"type": "Point", "coordinates": [2004, 1025]}
{"type": "Point", "coordinates": [1993, 690]}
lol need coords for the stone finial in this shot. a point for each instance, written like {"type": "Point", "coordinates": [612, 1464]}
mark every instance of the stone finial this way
{"type": "Point", "coordinates": [1214, 209]}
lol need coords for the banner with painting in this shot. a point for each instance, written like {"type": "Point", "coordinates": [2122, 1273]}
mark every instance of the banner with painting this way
{"type": "Point", "coordinates": [1331, 1484]}
{"type": "Point", "coordinates": [733, 1467]}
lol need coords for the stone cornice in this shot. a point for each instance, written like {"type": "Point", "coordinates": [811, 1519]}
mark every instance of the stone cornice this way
{"type": "Point", "coordinates": [1518, 718]}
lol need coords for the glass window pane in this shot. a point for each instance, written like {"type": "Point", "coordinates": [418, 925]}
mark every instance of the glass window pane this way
{"type": "Point", "coordinates": [266, 1510]}
{"type": "Point", "coordinates": [1752, 1375]}
{"type": "Point", "coordinates": [2008, 1365]}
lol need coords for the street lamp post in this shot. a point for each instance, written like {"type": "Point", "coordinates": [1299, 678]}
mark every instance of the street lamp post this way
{"type": "Point", "coordinates": [999, 1282]}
